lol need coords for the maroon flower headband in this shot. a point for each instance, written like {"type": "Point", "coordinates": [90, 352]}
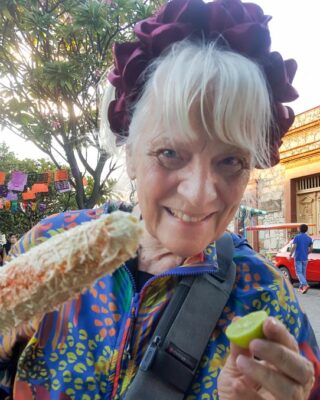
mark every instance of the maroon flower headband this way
{"type": "Point", "coordinates": [242, 26]}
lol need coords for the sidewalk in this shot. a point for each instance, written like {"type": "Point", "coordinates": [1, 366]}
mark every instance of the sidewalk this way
{"type": "Point", "coordinates": [310, 302]}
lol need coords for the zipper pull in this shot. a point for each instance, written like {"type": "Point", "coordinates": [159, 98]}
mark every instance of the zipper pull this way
{"type": "Point", "coordinates": [150, 354]}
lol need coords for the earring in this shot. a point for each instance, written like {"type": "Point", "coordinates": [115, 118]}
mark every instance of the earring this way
{"type": "Point", "coordinates": [133, 192]}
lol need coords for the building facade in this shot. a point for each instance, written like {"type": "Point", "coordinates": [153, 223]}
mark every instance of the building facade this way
{"type": "Point", "coordinates": [290, 191]}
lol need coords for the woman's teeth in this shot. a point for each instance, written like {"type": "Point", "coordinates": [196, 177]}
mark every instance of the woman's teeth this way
{"type": "Point", "coordinates": [185, 217]}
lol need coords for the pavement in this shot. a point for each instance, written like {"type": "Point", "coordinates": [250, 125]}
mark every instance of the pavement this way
{"type": "Point", "coordinates": [310, 303]}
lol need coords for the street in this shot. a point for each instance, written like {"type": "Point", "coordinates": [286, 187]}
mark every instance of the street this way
{"type": "Point", "coordinates": [310, 302]}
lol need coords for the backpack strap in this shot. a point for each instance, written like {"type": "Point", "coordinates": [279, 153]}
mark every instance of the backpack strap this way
{"type": "Point", "coordinates": [174, 354]}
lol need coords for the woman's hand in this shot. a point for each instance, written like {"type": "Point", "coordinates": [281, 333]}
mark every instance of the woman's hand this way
{"type": "Point", "coordinates": [272, 368]}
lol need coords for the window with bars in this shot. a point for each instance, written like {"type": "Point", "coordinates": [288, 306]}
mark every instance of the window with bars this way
{"type": "Point", "coordinates": [308, 182]}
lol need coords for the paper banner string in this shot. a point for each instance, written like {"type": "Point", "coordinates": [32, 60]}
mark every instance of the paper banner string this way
{"type": "Point", "coordinates": [40, 188]}
{"type": "Point", "coordinates": [61, 175]}
{"type": "Point", "coordinates": [62, 186]}
{"type": "Point", "coordinates": [42, 207]}
{"type": "Point", "coordinates": [21, 190]}
{"type": "Point", "coordinates": [28, 195]}
{"type": "Point", "coordinates": [43, 178]}
{"type": "Point", "coordinates": [2, 177]}
{"type": "Point", "coordinates": [11, 196]}
{"type": "Point", "coordinates": [18, 181]}
{"type": "Point", "coordinates": [14, 206]}
{"type": "Point", "coordinates": [3, 191]}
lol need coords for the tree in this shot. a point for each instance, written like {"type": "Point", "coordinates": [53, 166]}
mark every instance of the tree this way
{"type": "Point", "coordinates": [52, 57]}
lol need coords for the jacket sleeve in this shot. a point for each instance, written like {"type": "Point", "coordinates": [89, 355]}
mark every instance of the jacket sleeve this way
{"type": "Point", "coordinates": [12, 345]}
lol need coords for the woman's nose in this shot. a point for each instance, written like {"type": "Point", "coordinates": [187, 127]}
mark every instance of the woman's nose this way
{"type": "Point", "coordinates": [198, 187]}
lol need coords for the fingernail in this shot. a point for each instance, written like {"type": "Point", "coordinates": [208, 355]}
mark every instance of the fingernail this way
{"type": "Point", "coordinates": [242, 362]}
{"type": "Point", "coordinates": [257, 344]}
{"type": "Point", "coordinates": [272, 324]}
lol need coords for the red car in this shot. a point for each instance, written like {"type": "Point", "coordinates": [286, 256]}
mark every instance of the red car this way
{"type": "Point", "coordinates": [286, 266]}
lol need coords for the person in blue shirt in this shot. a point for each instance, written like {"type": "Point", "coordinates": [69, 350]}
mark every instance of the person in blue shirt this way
{"type": "Point", "coordinates": [301, 247]}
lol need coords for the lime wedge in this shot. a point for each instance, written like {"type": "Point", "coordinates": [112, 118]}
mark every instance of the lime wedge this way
{"type": "Point", "coordinates": [247, 328]}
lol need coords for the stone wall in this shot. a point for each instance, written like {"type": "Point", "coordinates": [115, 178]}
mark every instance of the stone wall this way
{"type": "Point", "coordinates": [270, 185]}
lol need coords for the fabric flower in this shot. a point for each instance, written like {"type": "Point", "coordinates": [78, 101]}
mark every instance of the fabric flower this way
{"type": "Point", "coordinates": [241, 27]}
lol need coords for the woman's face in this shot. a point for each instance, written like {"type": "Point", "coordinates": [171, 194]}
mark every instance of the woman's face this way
{"type": "Point", "coordinates": [188, 191]}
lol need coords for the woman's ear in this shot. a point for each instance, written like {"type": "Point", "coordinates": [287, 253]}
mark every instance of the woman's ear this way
{"type": "Point", "coordinates": [130, 162]}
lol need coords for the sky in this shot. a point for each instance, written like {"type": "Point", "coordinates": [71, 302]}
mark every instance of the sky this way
{"type": "Point", "coordinates": [295, 33]}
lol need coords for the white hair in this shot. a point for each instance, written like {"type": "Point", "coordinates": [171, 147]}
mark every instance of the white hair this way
{"type": "Point", "coordinates": [227, 91]}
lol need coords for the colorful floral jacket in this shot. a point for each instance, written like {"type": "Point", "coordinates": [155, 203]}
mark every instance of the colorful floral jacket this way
{"type": "Point", "coordinates": [91, 347]}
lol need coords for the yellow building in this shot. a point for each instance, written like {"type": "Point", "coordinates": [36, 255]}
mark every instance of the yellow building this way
{"type": "Point", "coordinates": [290, 191]}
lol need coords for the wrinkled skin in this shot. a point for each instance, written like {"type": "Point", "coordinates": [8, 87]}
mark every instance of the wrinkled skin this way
{"type": "Point", "coordinates": [277, 372]}
{"type": "Point", "coordinates": [203, 180]}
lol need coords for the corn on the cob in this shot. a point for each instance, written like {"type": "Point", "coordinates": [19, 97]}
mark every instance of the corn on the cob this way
{"type": "Point", "coordinates": [62, 267]}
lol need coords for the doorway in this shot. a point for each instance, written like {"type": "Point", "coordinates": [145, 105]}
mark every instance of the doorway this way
{"type": "Point", "coordinates": [308, 202]}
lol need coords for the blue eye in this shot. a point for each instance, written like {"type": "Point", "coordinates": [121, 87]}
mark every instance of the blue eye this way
{"type": "Point", "coordinates": [232, 161]}
{"type": "Point", "coordinates": [170, 159]}
{"type": "Point", "coordinates": [232, 165]}
{"type": "Point", "coordinates": [169, 153]}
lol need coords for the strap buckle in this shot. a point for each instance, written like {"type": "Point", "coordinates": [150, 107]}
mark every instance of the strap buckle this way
{"type": "Point", "coordinates": [150, 354]}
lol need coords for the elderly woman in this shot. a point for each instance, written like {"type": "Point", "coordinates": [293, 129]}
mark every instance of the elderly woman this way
{"type": "Point", "coordinates": [198, 106]}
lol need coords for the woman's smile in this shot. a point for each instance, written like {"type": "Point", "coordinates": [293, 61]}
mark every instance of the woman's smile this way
{"type": "Point", "coordinates": [186, 217]}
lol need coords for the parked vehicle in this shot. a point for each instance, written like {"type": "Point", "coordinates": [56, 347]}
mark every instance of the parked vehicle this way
{"type": "Point", "coordinates": [286, 266]}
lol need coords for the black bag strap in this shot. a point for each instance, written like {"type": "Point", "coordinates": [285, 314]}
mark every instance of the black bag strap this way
{"type": "Point", "coordinates": [173, 356]}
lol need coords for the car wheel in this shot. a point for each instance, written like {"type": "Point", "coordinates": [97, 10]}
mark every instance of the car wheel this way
{"type": "Point", "coordinates": [285, 272]}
